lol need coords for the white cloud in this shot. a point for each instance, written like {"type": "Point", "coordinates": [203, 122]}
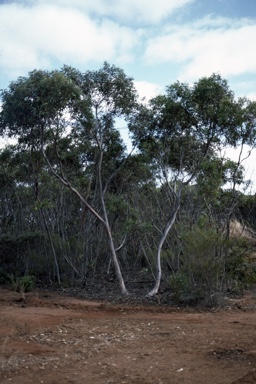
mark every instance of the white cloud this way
{"type": "Point", "coordinates": [205, 47]}
{"type": "Point", "coordinates": [36, 37]}
{"type": "Point", "coordinates": [147, 90]}
{"type": "Point", "coordinates": [138, 11]}
{"type": "Point", "coordinates": [44, 34]}
{"type": "Point", "coordinates": [251, 96]}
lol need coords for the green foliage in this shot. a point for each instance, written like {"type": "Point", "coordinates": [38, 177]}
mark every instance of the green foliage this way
{"type": "Point", "coordinates": [29, 102]}
{"type": "Point", "coordinates": [180, 285]}
{"type": "Point", "coordinates": [43, 204]}
{"type": "Point", "coordinates": [183, 129]}
{"type": "Point", "coordinates": [214, 173]}
{"type": "Point", "coordinates": [202, 260]}
{"type": "Point", "coordinates": [25, 283]}
{"type": "Point", "coordinates": [240, 271]}
{"type": "Point", "coordinates": [247, 209]}
{"type": "Point", "coordinates": [211, 264]}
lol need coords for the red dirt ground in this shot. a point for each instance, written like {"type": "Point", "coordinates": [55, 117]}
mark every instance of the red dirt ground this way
{"type": "Point", "coordinates": [49, 338]}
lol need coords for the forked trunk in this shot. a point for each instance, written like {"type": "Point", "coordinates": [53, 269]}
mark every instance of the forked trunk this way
{"type": "Point", "coordinates": [167, 229]}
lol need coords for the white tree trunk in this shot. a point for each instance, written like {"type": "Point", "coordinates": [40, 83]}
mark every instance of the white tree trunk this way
{"type": "Point", "coordinates": [167, 229]}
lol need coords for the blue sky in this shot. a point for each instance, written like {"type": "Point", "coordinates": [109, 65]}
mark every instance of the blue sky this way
{"type": "Point", "coordinates": [155, 42]}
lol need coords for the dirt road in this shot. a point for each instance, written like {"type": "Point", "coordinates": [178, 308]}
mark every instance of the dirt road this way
{"type": "Point", "coordinates": [49, 338]}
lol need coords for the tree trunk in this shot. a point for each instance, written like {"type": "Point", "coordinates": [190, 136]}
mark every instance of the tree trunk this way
{"type": "Point", "coordinates": [52, 246]}
{"type": "Point", "coordinates": [167, 229]}
{"type": "Point", "coordinates": [108, 229]}
{"type": "Point", "coordinates": [116, 263]}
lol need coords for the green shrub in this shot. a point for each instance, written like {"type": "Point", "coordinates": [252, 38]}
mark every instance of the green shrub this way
{"type": "Point", "coordinates": [180, 285]}
{"type": "Point", "coordinates": [211, 266]}
{"type": "Point", "coordinates": [240, 272]}
{"type": "Point", "coordinates": [25, 283]}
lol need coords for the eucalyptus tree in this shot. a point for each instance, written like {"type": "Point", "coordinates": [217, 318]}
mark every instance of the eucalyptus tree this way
{"type": "Point", "coordinates": [183, 130]}
{"type": "Point", "coordinates": [71, 116]}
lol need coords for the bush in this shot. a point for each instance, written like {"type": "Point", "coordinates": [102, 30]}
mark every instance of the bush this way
{"type": "Point", "coordinates": [240, 272]}
{"type": "Point", "coordinates": [23, 284]}
{"type": "Point", "coordinates": [211, 266]}
{"type": "Point", "coordinates": [180, 285]}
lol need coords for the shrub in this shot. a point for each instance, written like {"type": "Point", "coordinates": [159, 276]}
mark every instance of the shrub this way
{"type": "Point", "coordinates": [25, 283]}
{"type": "Point", "coordinates": [240, 271]}
{"type": "Point", "coordinates": [180, 285]}
{"type": "Point", "coordinates": [211, 266]}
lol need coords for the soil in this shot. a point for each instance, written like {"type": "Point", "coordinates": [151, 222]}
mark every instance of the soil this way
{"type": "Point", "coordinates": [48, 337]}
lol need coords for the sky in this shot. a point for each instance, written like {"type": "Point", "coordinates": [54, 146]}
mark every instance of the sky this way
{"type": "Point", "coordinates": [155, 42]}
